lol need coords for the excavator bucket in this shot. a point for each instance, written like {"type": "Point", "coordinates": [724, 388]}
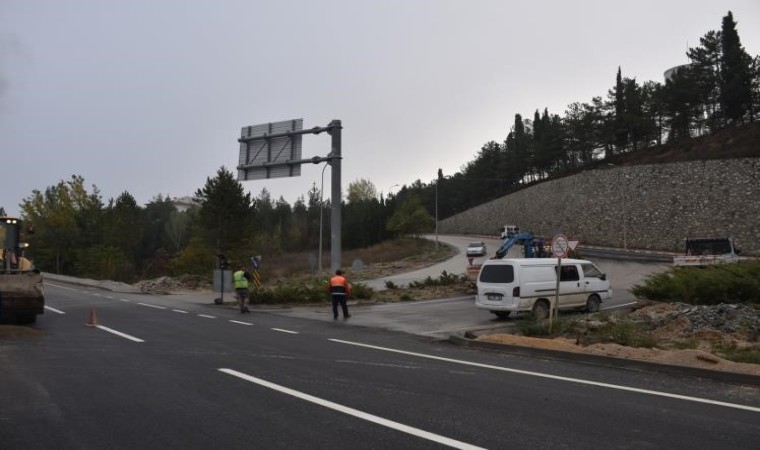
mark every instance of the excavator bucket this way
{"type": "Point", "coordinates": [22, 296]}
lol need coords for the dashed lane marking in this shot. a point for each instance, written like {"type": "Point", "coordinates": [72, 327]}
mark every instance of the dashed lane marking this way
{"type": "Point", "coordinates": [241, 323]}
{"type": "Point", "coordinates": [119, 333]}
{"type": "Point", "coordinates": [152, 306]}
{"type": "Point", "coordinates": [285, 331]}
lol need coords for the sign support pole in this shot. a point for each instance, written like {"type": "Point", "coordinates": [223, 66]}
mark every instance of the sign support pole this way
{"type": "Point", "coordinates": [334, 128]}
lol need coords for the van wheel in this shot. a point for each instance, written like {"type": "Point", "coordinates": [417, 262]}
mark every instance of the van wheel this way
{"type": "Point", "coordinates": [501, 314]}
{"type": "Point", "coordinates": [592, 304]}
{"type": "Point", "coordinates": [541, 310]}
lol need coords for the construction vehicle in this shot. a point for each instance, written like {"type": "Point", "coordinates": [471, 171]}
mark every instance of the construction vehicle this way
{"type": "Point", "coordinates": [22, 296]}
{"type": "Point", "coordinates": [533, 247]}
{"type": "Point", "coordinates": [702, 252]}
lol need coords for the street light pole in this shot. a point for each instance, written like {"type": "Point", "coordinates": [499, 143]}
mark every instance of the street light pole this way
{"type": "Point", "coordinates": [321, 211]}
{"type": "Point", "coordinates": [436, 211]}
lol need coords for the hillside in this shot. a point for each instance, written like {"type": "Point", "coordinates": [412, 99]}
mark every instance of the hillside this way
{"type": "Point", "coordinates": [740, 142]}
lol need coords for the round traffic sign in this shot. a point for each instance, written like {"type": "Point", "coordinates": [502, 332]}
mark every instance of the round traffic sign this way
{"type": "Point", "coordinates": [560, 246]}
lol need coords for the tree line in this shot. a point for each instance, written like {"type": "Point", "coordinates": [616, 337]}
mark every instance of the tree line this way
{"type": "Point", "coordinates": [78, 234]}
{"type": "Point", "coordinates": [719, 88]}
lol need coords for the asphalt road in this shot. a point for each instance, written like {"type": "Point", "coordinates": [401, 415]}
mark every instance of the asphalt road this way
{"type": "Point", "coordinates": [173, 372]}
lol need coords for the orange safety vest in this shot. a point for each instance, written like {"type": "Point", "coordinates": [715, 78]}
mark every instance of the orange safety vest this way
{"type": "Point", "coordinates": [339, 286]}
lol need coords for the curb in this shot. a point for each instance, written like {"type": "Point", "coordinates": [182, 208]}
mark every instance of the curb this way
{"type": "Point", "coordinates": [608, 361]}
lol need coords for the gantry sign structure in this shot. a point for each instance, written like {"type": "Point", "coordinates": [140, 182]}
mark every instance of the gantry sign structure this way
{"type": "Point", "coordinates": [273, 150]}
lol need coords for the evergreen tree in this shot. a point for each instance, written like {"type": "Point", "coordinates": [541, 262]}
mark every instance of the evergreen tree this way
{"type": "Point", "coordinates": [705, 66]}
{"type": "Point", "coordinates": [620, 125]}
{"type": "Point", "coordinates": [736, 75]}
{"type": "Point", "coordinates": [225, 215]}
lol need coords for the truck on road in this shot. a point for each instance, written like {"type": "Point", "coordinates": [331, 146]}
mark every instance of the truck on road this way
{"type": "Point", "coordinates": [702, 252]}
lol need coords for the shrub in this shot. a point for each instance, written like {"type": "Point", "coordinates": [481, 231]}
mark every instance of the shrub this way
{"type": "Point", "coordinates": [304, 291]}
{"type": "Point", "coordinates": [445, 279]}
{"type": "Point", "coordinates": [727, 283]}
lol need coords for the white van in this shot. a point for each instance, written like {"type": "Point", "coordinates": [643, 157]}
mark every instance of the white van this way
{"type": "Point", "coordinates": [530, 285]}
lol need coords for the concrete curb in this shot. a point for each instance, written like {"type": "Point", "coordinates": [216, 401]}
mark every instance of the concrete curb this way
{"type": "Point", "coordinates": [113, 286]}
{"type": "Point", "coordinates": [608, 361]}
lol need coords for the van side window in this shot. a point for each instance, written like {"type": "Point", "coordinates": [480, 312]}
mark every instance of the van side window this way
{"type": "Point", "coordinates": [591, 271]}
{"type": "Point", "coordinates": [497, 273]}
{"type": "Point", "coordinates": [568, 273]}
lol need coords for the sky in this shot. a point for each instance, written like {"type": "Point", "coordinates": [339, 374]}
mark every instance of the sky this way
{"type": "Point", "coordinates": [149, 96]}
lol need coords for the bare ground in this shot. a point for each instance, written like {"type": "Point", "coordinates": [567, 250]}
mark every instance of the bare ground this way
{"type": "Point", "coordinates": [669, 336]}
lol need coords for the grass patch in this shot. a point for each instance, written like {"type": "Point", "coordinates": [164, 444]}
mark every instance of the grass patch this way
{"type": "Point", "coordinates": [749, 355]}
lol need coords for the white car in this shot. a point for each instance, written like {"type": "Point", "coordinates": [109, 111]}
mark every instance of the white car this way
{"type": "Point", "coordinates": [476, 248]}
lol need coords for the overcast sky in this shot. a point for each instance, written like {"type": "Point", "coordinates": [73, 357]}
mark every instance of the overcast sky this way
{"type": "Point", "coordinates": [148, 96]}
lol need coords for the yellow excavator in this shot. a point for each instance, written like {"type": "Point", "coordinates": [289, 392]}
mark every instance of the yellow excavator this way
{"type": "Point", "coordinates": [22, 296]}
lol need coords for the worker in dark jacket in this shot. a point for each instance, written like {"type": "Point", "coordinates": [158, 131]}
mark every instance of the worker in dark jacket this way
{"type": "Point", "coordinates": [339, 290]}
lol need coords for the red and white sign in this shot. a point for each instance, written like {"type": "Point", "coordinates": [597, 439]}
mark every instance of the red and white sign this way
{"type": "Point", "coordinates": [560, 246]}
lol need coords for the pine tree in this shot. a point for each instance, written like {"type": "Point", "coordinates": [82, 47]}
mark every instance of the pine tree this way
{"type": "Point", "coordinates": [621, 129]}
{"type": "Point", "coordinates": [736, 75]}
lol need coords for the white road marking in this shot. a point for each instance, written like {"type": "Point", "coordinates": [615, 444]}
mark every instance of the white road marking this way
{"type": "Point", "coordinates": [207, 316]}
{"type": "Point", "coordinates": [63, 287]}
{"type": "Point", "coordinates": [108, 296]}
{"type": "Point", "coordinates": [54, 310]}
{"type": "Point", "coordinates": [119, 333]}
{"type": "Point", "coordinates": [285, 331]}
{"type": "Point", "coordinates": [241, 323]}
{"type": "Point", "coordinates": [125, 299]}
{"type": "Point", "coordinates": [618, 306]}
{"type": "Point", "coordinates": [557, 377]}
{"type": "Point", "coordinates": [152, 306]}
{"type": "Point", "coordinates": [179, 311]}
{"type": "Point", "coordinates": [353, 412]}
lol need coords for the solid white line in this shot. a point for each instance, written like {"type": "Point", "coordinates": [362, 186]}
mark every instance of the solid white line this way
{"type": "Point", "coordinates": [206, 316]}
{"type": "Point", "coordinates": [119, 333]}
{"type": "Point", "coordinates": [285, 331]}
{"type": "Point", "coordinates": [54, 310]}
{"type": "Point", "coordinates": [151, 306]}
{"type": "Point", "coordinates": [241, 323]}
{"type": "Point", "coordinates": [62, 287]}
{"type": "Point", "coordinates": [556, 377]}
{"type": "Point", "coordinates": [354, 412]}
{"type": "Point", "coordinates": [179, 311]}
{"type": "Point", "coordinates": [618, 306]}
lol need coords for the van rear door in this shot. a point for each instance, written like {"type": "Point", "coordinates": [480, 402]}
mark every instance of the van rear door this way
{"type": "Point", "coordinates": [495, 284]}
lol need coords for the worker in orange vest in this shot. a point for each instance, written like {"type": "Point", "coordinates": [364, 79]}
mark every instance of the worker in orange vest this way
{"type": "Point", "coordinates": [339, 290]}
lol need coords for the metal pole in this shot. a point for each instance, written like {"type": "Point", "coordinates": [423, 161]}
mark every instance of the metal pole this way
{"type": "Point", "coordinates": [334, 128]}
{"type": "Point", "coordinates": [436, 211]}
{"type": "Point", "coordinates": [321, 211]}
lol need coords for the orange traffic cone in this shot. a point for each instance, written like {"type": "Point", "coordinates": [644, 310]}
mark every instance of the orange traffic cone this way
{"type": "Point", "coordinates": [92, 321]}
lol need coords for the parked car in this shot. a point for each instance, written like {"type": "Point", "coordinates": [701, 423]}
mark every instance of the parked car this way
{"type": "Point", "coordinates": [476, 248]}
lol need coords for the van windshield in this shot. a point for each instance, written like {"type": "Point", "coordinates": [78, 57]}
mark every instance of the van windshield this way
{"type": "Point", "coordinates": [497, 273]}
{"type": "Point", "coordinates": [591, 271]}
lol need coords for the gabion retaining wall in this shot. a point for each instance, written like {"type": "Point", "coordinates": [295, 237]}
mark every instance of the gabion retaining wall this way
{"type": "Point", "coordinates": [652, 207]}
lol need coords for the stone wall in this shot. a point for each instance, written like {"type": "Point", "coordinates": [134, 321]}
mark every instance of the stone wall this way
{"type": "Point", "coordinates": [650, 207]}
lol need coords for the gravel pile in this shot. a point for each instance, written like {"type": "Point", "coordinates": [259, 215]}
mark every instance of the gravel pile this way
{"type": "Point", "coordinates": [169, 285]}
